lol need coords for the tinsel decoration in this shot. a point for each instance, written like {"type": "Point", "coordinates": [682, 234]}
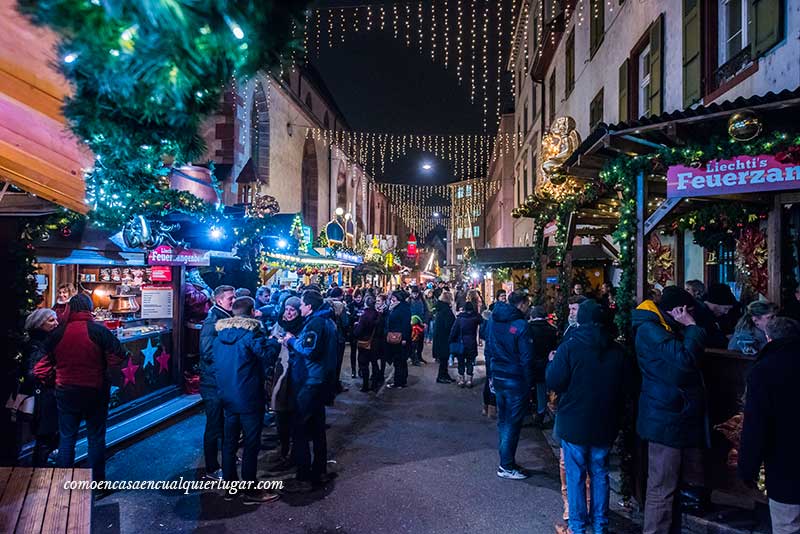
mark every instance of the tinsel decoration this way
{"type": "Point", "coordinates": [719, 224]}
{"type": "Point", "coordinates": [751, 260]}
{"type": "Point", "coordinates": [660, 262]}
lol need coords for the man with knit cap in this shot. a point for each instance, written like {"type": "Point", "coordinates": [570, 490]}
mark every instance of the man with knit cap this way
{"type": "Point", "coordinates": [588, 373]}
{"type": "Point", "coordinates": [672, 404]}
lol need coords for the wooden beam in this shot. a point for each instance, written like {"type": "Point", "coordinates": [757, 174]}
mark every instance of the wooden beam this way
{"type": "Point", "coordinates": [774, 249]}
{"type": "Point", "coordinates": [595, 232]}
{"type": "Point", "coordinates": [609, 247]}
{"type": "Point", "coordinates": [572, 223]}
{"type": "Point", "coordinates": [680, 259]}
{"type": "Point", "coordinates": [662, 211]}
{"type": "Point", "coordinates": [641, 238]}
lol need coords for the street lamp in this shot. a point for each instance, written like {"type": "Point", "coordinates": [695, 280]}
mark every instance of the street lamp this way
{"type": "Point", "coordinates": [427, 166]}
{"type": "Point", "coordinates": [436, 214]}
{"type": "Point", "coordinates": [339, 212]}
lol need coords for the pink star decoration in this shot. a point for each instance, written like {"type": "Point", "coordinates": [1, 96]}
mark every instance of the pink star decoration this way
{"type": "Point", "coordinates": [129, 372]}
{"type": "Point", "coordinates": [163, 361]}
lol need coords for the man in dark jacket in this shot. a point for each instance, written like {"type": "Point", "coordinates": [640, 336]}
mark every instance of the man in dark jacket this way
{"type": "Point", "coordinates": [240, 370]}
{"type": "Point", "coordinates": [545, 341]}
{"type": "Point", "coordinates": [81, 352]}
{"type": "Point", "coordinates": [354, 309]}
{"type": "Point", "coordinates": [215, 417]}
{"type": "Point", "coordinates": [442, 324]}
{"type": "Point", "coordinates": [770, 433]}
{"type": "Point", "coordinates": [588, 374]}
{"type": "Point", "coordinates": [511, 351]}
{"type": "Point", "coordinates": [672, 406]}
{"type": "Point", "coordinates": [399, 323]}
{"type": "Point", "coordinates": [313, 364]}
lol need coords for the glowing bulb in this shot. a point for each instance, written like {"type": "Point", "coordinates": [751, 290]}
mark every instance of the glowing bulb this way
{"type": "Point", "coordinates": [69, 58]}
{"type": "Point", "coordinates": [427, 166]}
{"type": "Point", "coordinates": [215, 233]}
{"type": "Point", "coordinates": [339, 212]}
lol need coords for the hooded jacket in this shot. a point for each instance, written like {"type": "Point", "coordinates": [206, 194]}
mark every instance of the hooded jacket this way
{"type": "Point", "coordinates": [240, 364]}
{"type": "Point", "coordinates": [314, 351]}
{"type": "Point", "coordinates": [511, 345]}
{"type": "Point", "coordinates": [207, 335]}
{"type": "Point", "coordinates": [672, 402]}
{"type": "Point", "coordinates": [589, 376]}
{"type": "Point", "coordinates": [443, 323]}
{"type": "Point", "coordinates": [545, 340]}
{"type": "Point", "coordinates": [82, 351]}
{"type": "Point", "coordinates": [770, 433]}
{"type": "Point", "coordinates": [399, 320]}
{"type": "Point", "coordinates": [465, 331]}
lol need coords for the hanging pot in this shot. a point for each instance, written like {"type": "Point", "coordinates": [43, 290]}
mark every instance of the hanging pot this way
{"type": "Point", "coordinates": [123, 304]}
{"type": "Point", "coordinates": [195, 180]}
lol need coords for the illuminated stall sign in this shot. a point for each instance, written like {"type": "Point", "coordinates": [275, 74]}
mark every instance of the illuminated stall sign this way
{"type": "Point", "coordinates": [167, 255]}
{"type": "Point", "coordinates": [742, 174]}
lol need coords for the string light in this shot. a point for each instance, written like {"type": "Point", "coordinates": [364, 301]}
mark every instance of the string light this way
{"type": "Point", "coordinates": [485, 63]}
{"type": "Point", "coordinates": [447, 34]}
{"type": "Point", "coordinates": [459, 41]}
{"type": "Point", "coordinates": [499, 60]}
{"type": "Point", "coordinates": [419, 26]}
{"type": "Point", "coordinates": [408, 25]}
{"type": "Point", "coordinates": [433, 30]}
{"type": "Point", "coordinates": [473, 23]}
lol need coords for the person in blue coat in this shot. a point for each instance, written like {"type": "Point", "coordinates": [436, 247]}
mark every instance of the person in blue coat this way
{"type": "Point", "coordinates": [510, 350]}
{"type": "Point", "coordinates": [672, 403]}
{"type": "Point", "coordinates": [240, 365]}
{"type": "Point", "coordinates": [313, 354]}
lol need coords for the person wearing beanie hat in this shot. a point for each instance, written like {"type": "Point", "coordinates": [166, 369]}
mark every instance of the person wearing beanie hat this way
{"type": "Point", "coordinates": [589, 374]}
{"type": "Point", "coordinates": [724, 307]}
{"type": "Point", "coordinates": [672, 402]}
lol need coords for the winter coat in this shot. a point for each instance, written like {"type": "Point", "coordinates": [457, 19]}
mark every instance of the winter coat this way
{"type": "Point", "coordinates": [45, 416]}
{"type": "Point", "coordinates": [207, 335]}
{"type": "Point", "coordinates": [715, 338]}
{"type": "Point", "coordinates": [368, 326]}
{"type": "Point", "coordinates": [588, 374]}
{"type": "Point", "coordinates": [672, 402]}
{"type": "Point", "coordinates": [354, 310]}
{"type": "Point", "coordinates": [770, 433]}
{"type": "Point", "coordinates": [341, 319]}
{"type": "Point", "coordinates": [196, 303]}
{"type": "Point", "coordinates": [510, 343]}
{"type": "Point", "coordinates": [314, 351]}
{"type": "Point", "coordinates": [240, 364]}
{"type": "Point", "coordinates": [62, 312]}
{"type": "Point", "coordinates": [465, 331]}
{"type": "Point", "coordinates": [399, 320]}
{"type": "Point", "coordinates": [443, 323]}
{"type": "Point", "coordinates": [81, 351]}
{"type": "Point", "coordinates": [752, 338]}
{"type": "Point", "coordinates": [417, 307]}
{"type": "Point", "coordinates": [545, 340]}
{"type": "Point", "coordinates": [279, 378]}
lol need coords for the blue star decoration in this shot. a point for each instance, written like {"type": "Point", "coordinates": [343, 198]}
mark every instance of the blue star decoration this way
{"type": "Point", "coordinates": [148, 353]}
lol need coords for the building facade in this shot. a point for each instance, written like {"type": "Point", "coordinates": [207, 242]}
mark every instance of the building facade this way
{"type": "Point", "coordinates": [499, 227]}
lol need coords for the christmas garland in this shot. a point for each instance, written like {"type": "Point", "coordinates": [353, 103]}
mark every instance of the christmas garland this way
{"type": "Point", "coordinates": [719, 224]}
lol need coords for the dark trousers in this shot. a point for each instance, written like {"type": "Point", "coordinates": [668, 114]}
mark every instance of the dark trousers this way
{"type": "Point", "coordinates": [310, 448]}
{"type": "Point", "coordinates": [353, 356]}
{"type": "Point", "coordinates": [443, 373]}
{"type": "Point", "coordinates": [43, 446]}
{"type": "Point", "coordinates": [283, 422]}
{"type": "Point", "coordinates": [215, 427]}
{"type": "Point", "coordinates": [399, 357]}
{"type": "Point", "coordinates": [466, 362]}
{"type": "Point", "coordinates": [512, 401]}
{"type": "Point", "coordinates": [666, 467]}
{"type": "Point", "coordinates": [76, 404]}
{"type": "Point", "coordinates": [236, 424]}
{"type": "Point", "coordinates": [366, 359]}
{"type": "Point", "coordinates": [416, 350]}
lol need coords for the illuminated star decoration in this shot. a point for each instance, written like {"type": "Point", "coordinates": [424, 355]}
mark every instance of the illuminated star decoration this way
{"type": "Point", "coordinates": [129, 372]}
{"type": "Point", "coordinates": [148, 353]}
{"type": "Point", "coordinates": [163, 362]}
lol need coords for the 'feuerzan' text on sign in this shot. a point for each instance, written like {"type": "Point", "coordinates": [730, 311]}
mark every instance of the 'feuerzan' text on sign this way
{"type": "Point", "coordinates": [742, 174]}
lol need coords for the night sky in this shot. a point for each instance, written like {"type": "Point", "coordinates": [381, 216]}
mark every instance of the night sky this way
{"type": "Point", "coordinates": [380, 85]}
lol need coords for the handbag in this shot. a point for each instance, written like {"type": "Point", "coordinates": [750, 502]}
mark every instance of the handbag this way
{"type": "Point", "coordinates": [365, 344]}
{"type": "Point", "coordinates": [394, 338]}
{"type": "Point", "coordinates": [457, 348]}
{"type": "Point", "coordinates": [20, 405]}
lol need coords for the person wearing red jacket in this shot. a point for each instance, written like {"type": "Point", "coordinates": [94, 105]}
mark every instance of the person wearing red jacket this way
{"type": "Point", "coordinates": [78, 356]}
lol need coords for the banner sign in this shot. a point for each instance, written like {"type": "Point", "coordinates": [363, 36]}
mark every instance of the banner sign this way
{"type": "Point", "coordinates": [161, 273]}
{"type": "Point", "coordinates": [156, 302]}
{"type": "Point", "coordinates": [349, 258]}
{"type": "Point", "coordinates": [742, 174]}
{"type": "Point", "coordinates": [167, 255]}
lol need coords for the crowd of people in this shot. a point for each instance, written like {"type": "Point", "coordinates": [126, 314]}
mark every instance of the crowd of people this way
{"type": "Point", "coordinates": [278, 358]}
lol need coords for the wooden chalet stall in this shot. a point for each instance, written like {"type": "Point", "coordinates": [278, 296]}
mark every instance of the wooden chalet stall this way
{"type": "Point", "coordinates": [712, 194]}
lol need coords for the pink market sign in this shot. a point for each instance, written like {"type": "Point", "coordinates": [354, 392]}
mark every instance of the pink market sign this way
{"type": "Point", "coordinates": [742, 174]}
{"type": "Point", "coordinates": [167, 255]}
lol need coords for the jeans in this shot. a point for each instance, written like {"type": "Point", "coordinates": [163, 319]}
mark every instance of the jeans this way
{"type": "Point", "coordinates": [443, 373]}
{"type": "Point", "coordinates": [541, 397]}
{"type": "Point", "coordinates": [76, 404]}
{"type": "Point", "coordinates": [250, 425]}
{"type": "Point", "coordinates": [512, 401]}
{"type": "Point", "coordinates": [215, 425]}
{"type": "Point", "coordinates": [466, 362]}
{"type": "Point", "coordinates": [310, 447]}
{"type": "Point", "coordinates": [785, 517]}
{"type": "Point", "coordinates": [667, 466]}
{"type": "Point", "coordinates": [416, 351]}
{"type": "Point", "coordinates": [399, 356]}
{"type": "Point", "coordinates": [578, 461]}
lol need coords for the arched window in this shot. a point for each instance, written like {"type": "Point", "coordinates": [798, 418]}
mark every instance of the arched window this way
{"type": "Point", "coordinates": [259, 134]}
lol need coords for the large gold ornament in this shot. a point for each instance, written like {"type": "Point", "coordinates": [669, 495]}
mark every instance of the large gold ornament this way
{"type": "Point", "coordinates": [744, 125]}
{"type": "Point", "coordinates": [557, 146]}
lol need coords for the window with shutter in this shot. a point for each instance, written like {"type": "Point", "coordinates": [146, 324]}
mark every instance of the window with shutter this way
{"type": "Point", "coordinates": [766, 25]}
{"type": "Point", "coordinates": [597, 25]}
{"type": "Point", "coordinates": [691, 53]}
{"type": "Point", "coordinates": [656, 65]}
{"type": "Point", "coordinates": [596, 110]}
{"type": "Point", "coordinates": [623, 91]}
{"type": "Point", "coordinates": [569, 52]}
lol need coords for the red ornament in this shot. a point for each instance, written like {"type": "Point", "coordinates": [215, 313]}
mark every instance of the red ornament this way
{"type": "Point", "coordinates": [66, 232]}
{"type": "Point", "coordinates": [702, 228]}
{"type": "Point", "coordinates": [168, 205]}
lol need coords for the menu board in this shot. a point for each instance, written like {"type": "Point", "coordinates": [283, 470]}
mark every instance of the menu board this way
{"type": "Point", "coordinates": [157, 302]}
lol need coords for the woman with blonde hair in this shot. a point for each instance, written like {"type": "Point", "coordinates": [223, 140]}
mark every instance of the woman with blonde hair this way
{"type": "Point", "coordinates": [749, 336]}
{"type": "Point", "coordinates": [64, 293]}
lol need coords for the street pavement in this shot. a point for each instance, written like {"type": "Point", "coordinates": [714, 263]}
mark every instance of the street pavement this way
{"type": "Point", "coordinates": [419, 460]}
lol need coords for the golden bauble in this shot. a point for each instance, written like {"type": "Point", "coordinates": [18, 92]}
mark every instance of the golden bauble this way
{"type": "Point", "coordinates": [744, 125]}
{"type": "Point", "coordinates": [558, 178]}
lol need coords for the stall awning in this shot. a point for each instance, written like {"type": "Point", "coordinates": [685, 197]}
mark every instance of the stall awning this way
{"type": "Point", "coordinates": [504, 257]}
{"type": "Point", "coordinates": [91, 247]}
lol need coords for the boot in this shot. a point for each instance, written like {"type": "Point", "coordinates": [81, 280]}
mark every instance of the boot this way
{"type": "Point", "coordinates": [460, 381]}
{"type": "Point", "coordinates": [365, 377]}
{"type": "Point", "coordinates": [469, 381]}
{"type": "Point", "coordinates": [491, 412]}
